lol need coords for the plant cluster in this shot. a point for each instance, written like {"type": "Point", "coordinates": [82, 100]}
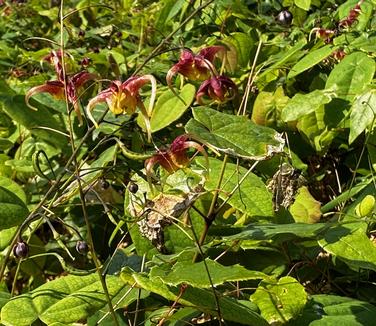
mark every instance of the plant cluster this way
{"type": "Point", "coordinates": [187, 162]}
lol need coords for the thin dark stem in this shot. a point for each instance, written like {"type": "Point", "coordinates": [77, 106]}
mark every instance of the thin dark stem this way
{"type": "Point", "coordinates": [169, 36]}
{"type": "Point", "coordinates": [207, 271]}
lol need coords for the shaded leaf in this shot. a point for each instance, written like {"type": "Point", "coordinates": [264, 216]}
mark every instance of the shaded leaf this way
{"type": "Point", "coordinates": [12, 209]}
{"type": "Point", "coordinates": [325, 309]}
{"type": "Point", "coordinates": [17, 109]}
{"type": "Point", "coordinates": [243, 44]}
{"type": "Point", "coordinates": [280, 301]}
{"type": "Point", "coordinates": [201, 299]}
{"type": "Point", "coordinates": [234, 135]}
{"type": "Point", "coordinates": [271, 231]}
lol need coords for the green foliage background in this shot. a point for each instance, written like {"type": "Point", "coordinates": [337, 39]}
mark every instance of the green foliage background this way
{"type": "Point", "coordinates": [271, 221]}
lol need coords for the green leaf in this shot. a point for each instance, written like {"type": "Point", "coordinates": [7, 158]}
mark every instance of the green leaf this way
{"type": "Point", "coordinates": [12, 209]}
{"type": "Point", "coordinates": [13, 187]}
{"type": "Point", "coordinates": [283, 232]}
{"type": "Point", "coordinates": [280, 301]}
{"type": "Point", "coordinates": [234, 135]}
{"type": "Point", "coordinates": [203, 300]}
{"type": "Point", "coordinates": [169, 108]}
{"type": "Point", "coordinates": [351, 75]}
{"type": "Point", "coordinates": [328, 310]}
{"type": "Point", "coordinates": [349, 242]}
{"type": "Point", "coordinates": [66, 300]}
{"type": "Point", "coordinates": [362, 114]}
{"type": "Point", "coordinates": [305, 208]}
{"type": "Point", "coordinates": [303, 4]}
{"type": "Point", "coordinates": [310, 60]}
{"type": "Point", "coordinates": [6, 236]}
{"type": "Point", "coordinates": [303, 104]}
{"type": "Point", "coordinates": [366, 206]}
{"type": "Point", "coordinates": [4, 298]}
{"type": "Point", "coordinates": [196, 274]}
{"type": "Point", "coordinates": [35, 121]}
{"type": "Point", "coordinates": [243, 44]}
{"type": "Point", "coordinates": [252, 197]}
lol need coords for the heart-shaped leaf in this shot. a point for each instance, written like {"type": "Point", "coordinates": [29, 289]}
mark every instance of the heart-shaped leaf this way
{"type": "Point", "coordinates": [12, 209]}
{"type": "Point", "coordinates": [234, 135]}
{"type": "Point", "coordinates": [251, 197]}
{"type": "Point", "coordinates": [351, 75]}
{"type": "Point", "coordinates": [169, 108]}
{"type": "Point", "coordinates": [65, 300]}
{"type": "Point", "coordinates": [280, 301]}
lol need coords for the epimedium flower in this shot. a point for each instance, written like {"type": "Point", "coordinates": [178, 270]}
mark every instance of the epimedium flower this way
{"type": "Point", "coordinates": [57, 89]}
{"type": "Point", "coordinates": [195, 66]}
{"type": "Point", "coordinates": [175, 157]}
{"type": "Point", "coordinates": [218, 88]}
{"type": "Point", "coordinates": [70, 83]}
{"type": "Point", "coordinates": [124, 98]}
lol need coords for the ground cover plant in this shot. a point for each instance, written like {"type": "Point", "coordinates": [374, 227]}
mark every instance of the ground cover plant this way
{"type": "Point", "coordinates": [187, 162]}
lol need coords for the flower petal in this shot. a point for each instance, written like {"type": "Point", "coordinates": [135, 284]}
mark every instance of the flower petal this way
{"type": "Point", "coordinates": [101, 97]}
{"type": "Point", "coordinates": [55, 88]}
{"type": "Point", "coordinates": [81, 78]}
{"type": "Point", "coordinates": [210, 52]}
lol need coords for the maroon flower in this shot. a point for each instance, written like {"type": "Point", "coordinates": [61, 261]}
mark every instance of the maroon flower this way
{"type": "Point", "coordinates": [124, 98]}
{"type": "Point", "coordinates": [218, 88]}
{"type": "Point", "coordinates": [352, 17]}
{"type": "Point", "coordinates": [57, 87]}
{"type": "Point", "coordinates": [175, 157]}
{"type": "Point", "coordinates": [195, 66]}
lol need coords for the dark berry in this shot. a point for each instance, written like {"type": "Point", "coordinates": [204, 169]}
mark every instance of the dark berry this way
{"type": "Point", "coordinates": [284, 18]}
{"type": "Point", "coordinates": [119, 34]}
{"type": "Point", "coordinates": [133, 187]}
{"type": "Point", "coordinates": [21, 250]}
{"type": "Point", "coordinates": [81, 33]}
{"type": "Point", "coordinates": [82, 247]}
{"type": "Point", "coordinates": [104, 184]}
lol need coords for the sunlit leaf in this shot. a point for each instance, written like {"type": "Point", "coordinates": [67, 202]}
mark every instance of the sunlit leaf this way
{"type": "Point", "coordinates": [303, 104]}
{"type": "Point", "coordinates": [280, 301]}
{"type": "Point", "coordinates": [349, 242]}
{"type": "Point", "coordinates": [194, 274]}
{"type": "Point", "coordinates": [169, 108]}
{"type": "Point", "coordinates": [305, 208]}
{"type": "Point", "coordinates": [65, 300]}
{"type": "Point", "coordinates": [310, 60]}
{"type": "Point", "coordinates": [362, 114]}
{"type": "Point", "coordinates": [252, 196]}
{"type": "Point", "coordinates": [351, 75]}
{"type": "Point", "coordinates": [234, 135]}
